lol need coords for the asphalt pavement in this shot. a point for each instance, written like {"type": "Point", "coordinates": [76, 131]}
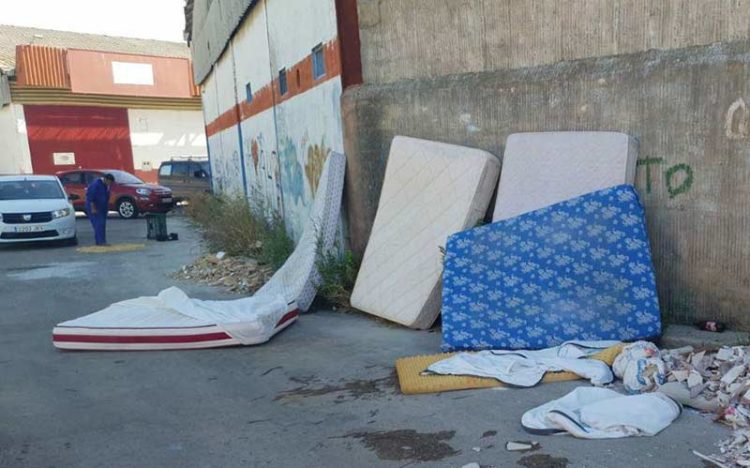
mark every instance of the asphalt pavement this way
{"type": "Point", "coordinates": [321, 393]}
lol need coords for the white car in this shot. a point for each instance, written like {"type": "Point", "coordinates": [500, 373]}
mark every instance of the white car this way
{"type": "Point", "coordinates": [35, 208]}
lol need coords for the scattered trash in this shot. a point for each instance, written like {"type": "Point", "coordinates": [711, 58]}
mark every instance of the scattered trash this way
{"type": "Point", "coordinates": [709, 459]}
{"type": "Point", "coordinates": [711, 325]}
{"type": "Point", "coordinates": [600, 413]}
{"type": "Point", "coordinates": [520, 446]}
{"type": "Point", "coordinates": [414, 380]}
{"type": "Point", "coordinates": [237, 274]}
{"type": "Point", "coordinates": [516, 266]}
{"type": "Point", "coordinates": [477, 449]}
{"type": "Point", "coordinates": [471, 465]}
{"type": "Point", "coordinates": [640, 367]}
{"type": "Point", "coordinates": [717, 382]}
{"type": "Point", "coordinates": [527, 368]}
{"type": "Point", "coordinates": [172, 320]}
{"type": "Point", "coordinates": [401, 266]}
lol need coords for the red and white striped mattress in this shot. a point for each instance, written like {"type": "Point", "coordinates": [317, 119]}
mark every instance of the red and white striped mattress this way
{"type": "Point", "coordinates": [154, 323]}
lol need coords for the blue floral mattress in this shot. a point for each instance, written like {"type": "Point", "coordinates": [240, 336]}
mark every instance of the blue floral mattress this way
{"type": "Point", "coordinates": [576, 270]}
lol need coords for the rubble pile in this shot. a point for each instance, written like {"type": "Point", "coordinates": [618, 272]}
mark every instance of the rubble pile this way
{"type": "Point", "coordinates": [718, 382]}
{"type": "Point", "coordinates": [237, 274]}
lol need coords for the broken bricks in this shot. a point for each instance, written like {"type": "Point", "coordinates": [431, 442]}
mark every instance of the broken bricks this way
{"type": "Point", "coordinates": [717, 382]}
{"type": "Point", "coordinates": [236, 274]}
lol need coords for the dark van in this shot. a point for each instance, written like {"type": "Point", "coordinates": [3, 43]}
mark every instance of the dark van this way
{"type": "Point", "coordinates": [186, 177]}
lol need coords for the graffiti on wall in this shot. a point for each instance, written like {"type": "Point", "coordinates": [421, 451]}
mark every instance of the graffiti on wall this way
{"type": "Point", "coordinates": [225, 168]}
{"type": "Point", "coordinates": [316, 157]}
{"type": "Point", "coordinates": [678, 178]}
{"type": "Point", "coordinates": [265, 177]}
{"type": "Point", "coordinates": [292, 178]}
{"type": "Point", "coordinates": [737, 125]}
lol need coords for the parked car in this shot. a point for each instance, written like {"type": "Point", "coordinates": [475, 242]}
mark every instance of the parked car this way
{"type": "Point", "coordinates": [186, 178]}
{"type": "Point", "coordinates": [35, 208]}
{"type": "Point", "coordinates": [130, 196]}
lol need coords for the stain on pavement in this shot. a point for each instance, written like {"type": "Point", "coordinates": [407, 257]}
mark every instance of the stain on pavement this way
{"type": "Point", "coordinates": [541, 460]}
{"type": "Point", "coordinates": [408, 444]}
{"type": "Point", "coordinates": [345, 390]}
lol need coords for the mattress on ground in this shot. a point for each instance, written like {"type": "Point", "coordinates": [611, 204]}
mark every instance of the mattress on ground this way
{"type": "Point", "coordinates": [172, 320]}
{"type": "Point", "coordinates": [430, 191]}
{"type": "Point", "coordinates": [297, 280]}
{"type": "Point", "coordinates": [540, 169]}
{"type": "Point", "coordinates": [412, 380]}
{"type": "Point", "coordinates": [577, 270]}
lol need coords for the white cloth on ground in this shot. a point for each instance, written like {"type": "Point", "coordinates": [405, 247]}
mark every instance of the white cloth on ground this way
{"type": "Point", "coordinates": [527, 368]}
{"type": "Point", "coordinates": [244, 319]}
{"type": "Point", "coordinates": [599, 413]}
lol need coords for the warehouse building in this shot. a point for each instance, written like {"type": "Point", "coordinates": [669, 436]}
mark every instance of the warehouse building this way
{"type": "Point", "coordinates": [71, 100]}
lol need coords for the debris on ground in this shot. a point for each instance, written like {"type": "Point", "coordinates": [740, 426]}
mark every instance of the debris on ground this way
{"type": "Point", "coordinates": [640, 367]}
{"type": "Point", "coordinates": [237, 274]}
{"type": "Point", "coordinates": [522, 446]}
{"type": "Point", "coordinates": [718, 382]}
{"type": "Point", "coordinates": [711, 325]}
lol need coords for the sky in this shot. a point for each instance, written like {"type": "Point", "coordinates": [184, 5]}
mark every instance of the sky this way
{"type": "Point", "coordinates": [149, 19]}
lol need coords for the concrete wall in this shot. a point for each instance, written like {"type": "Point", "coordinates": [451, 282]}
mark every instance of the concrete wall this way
{"type": "Point", "coordinates": [213, 23]}
{"type": "Point", "coordinates": [160, 135]}
{"type": "Point", "coordinates": [687, 107]}
{"type": "Point", "coordinates": [15, 157]}
{"type": "Point", "coordinates": [425, 38]}
{"type": "Point", "coordinates": [272, 148]}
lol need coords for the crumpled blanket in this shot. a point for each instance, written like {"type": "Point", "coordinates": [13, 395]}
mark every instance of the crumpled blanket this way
{"type": "Point", "coordinates": [599, 413]}
{"type": "Point", "coordinates": [527, 368]}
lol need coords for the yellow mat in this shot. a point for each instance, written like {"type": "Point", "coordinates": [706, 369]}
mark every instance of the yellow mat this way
{"type": "Point", "coordinates": [111, 248]}
{"type": "Point", "coordinates": [412, 381]}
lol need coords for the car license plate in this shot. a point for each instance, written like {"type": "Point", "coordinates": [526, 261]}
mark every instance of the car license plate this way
{"type": "Point", "coordinates": [29, 228]}
{"type": "Point", "coordinates": [166, 200]}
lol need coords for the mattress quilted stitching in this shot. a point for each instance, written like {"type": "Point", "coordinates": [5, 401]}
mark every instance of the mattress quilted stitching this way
{"type": "Point", "coordinates": [401, 265]}
{"type": "Point", "coordinates": [540, 169]}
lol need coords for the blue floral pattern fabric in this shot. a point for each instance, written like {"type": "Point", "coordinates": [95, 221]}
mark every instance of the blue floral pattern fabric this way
{"type": "Point", "coordinates": [576, 270]}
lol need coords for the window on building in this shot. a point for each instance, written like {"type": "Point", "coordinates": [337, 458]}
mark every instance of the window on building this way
{"type": "Point", "coordinates": [282, 81]}
{"type": "Point", "coordinates": [133, 73]}
{"type": "Point", "coordinates": [248, 92]}
{"type": "Point", "coordinates": [299, 79]}
{"type": "Point", "coordinates": [318, 62]}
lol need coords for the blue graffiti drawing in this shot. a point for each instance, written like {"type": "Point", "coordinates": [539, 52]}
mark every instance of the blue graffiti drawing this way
{"type": "Point", "coordinates": [292, 175]}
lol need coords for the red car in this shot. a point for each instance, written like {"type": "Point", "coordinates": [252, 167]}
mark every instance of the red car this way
{"type": "Point", "coordinates": [129, 194]}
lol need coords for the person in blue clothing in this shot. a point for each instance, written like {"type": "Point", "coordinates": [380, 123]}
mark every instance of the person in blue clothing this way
{"type": "Point", "coordinates": [97, 206]}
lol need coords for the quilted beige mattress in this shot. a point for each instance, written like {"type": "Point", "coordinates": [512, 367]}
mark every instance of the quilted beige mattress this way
{"type": "Point", "coordinates": [431, 190]}
{"type": "Point", "coordinates": [541, 169]}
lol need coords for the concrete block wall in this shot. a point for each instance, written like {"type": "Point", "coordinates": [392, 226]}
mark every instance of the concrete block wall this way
{"type": "Point", "coordinates": [673, 74]}
{"type": "Point", "coordinates": [404, 39]}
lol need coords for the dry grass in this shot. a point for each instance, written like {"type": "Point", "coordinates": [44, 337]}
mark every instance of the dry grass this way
{"type": "Point", "coordinates": [229, 224]}
{"type": "Point", "coordinates": [338, 272]}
